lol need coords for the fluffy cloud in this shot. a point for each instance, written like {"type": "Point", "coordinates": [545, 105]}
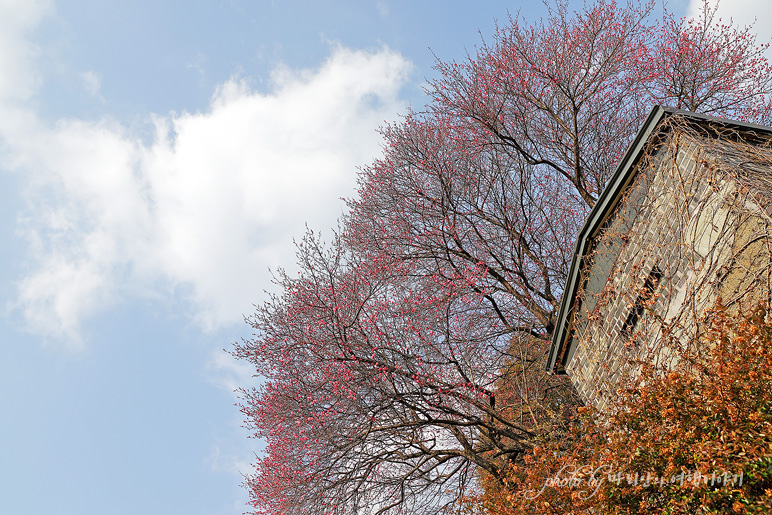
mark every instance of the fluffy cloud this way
{"type": "Point", "coordinates": [17, 52]}
{"type": "Point", "coordinates": [202, 209]}
{"type": "Point", "coordinates": [92, 83]}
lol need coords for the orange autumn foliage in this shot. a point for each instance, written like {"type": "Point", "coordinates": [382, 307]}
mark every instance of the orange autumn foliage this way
{"type": "Point", "coordinates": [668, 438]}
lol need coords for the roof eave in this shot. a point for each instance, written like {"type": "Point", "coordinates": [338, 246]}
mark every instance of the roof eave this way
{"type": "Point", "coordinates": [608, 199]}
{"type": "Point", "coordinates": [612, 193]}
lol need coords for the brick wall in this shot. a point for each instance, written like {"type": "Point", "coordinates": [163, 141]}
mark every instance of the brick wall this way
{"type": "Point", "coordinates": [684, 234]}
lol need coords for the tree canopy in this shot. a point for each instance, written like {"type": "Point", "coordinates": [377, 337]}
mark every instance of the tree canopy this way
{"type": "Point", "coordinates": [384, 358]}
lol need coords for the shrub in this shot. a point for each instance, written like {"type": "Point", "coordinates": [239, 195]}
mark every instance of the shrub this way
{"type": "Point", "coordinates": [696, 438]}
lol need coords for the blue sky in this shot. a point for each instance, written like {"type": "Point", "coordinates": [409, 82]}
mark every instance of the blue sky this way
{"type": "Point", "coordinates": [156, 158]}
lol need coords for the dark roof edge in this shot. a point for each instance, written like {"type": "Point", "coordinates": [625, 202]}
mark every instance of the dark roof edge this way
{"type": "Point", "coordinates": [603, 206]}
{"type": "Point", "coordinates": [606, 202]}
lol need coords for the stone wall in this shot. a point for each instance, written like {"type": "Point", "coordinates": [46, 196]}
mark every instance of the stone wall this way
{"type": "Point", "coordinates": [683, 235]}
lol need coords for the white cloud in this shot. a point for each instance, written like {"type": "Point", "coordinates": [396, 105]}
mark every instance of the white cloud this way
{"type": "Point", "coordinates": [230, 374]}
{"type": "Point", "coordinates": [17, 18]}
{"type": "Point", "coordinates": [92, 83]}
{"type": "Point", "coordinates": [207, 206]}
{"type": "Point", "coordinates": [382, 8]}
{"type": "Point", "coordinates": [230, 461]}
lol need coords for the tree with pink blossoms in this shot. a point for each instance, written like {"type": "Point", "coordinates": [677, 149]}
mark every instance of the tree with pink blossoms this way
{"type": "Point", "coordinates": [408, 353]}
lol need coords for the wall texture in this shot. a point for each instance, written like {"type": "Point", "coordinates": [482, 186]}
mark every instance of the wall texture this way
{"type": "Point", "coordinates": [693, 227]}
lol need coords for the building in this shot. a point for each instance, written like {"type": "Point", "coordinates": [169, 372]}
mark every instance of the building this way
{"type": "Point", "coordinates": [685, 220]}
